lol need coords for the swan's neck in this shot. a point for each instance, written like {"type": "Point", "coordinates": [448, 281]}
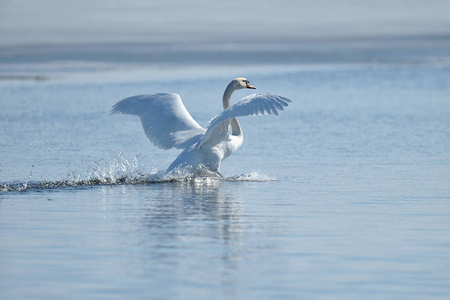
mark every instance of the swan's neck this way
{"type": "Point", "coordinates": [235, 126]}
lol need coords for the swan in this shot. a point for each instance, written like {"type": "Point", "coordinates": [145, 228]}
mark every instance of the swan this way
{"type": "Point", "coordinates": [167, 124]}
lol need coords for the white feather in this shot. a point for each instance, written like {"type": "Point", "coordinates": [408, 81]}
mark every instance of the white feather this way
{"type": "Point", "coordinates": [168, 124]}
{"type": "Point", "coordinates": [164, 117]}
{"type": "Point", "coordinates": [252, 105]}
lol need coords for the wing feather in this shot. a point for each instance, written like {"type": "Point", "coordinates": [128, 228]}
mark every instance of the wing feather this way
{"type": "Point", "coordinates": [165, 119]}
{"type": "Point", "coordinates": [252, 105]}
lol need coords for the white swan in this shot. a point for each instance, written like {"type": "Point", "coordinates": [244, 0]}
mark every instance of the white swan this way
{"type": "Point", "coordinates": [168, 124]}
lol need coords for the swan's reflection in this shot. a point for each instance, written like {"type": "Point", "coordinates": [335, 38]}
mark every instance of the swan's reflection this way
{"type": "Point", "coordinates": [195, 224]}
{"type": "Point", "coordinates": [200, 205]}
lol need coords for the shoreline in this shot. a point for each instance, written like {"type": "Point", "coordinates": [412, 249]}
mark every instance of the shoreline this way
{"type": "Point", "coordinates": [310, 50]}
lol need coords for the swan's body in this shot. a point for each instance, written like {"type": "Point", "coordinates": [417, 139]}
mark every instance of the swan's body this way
{"type": "Point", "coordinates": [168, 124]}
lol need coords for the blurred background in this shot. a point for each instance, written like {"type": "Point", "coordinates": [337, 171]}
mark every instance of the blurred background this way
{"type": "Point", "coordinates": [55, 22]}
{"type": "Point", "coordinates": [133, 30]}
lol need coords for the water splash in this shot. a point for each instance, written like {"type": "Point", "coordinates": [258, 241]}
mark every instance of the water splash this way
{"type": "Point", "coordinates": [253, 176]}
{"type": "Point", "coordinates": [121, 170]}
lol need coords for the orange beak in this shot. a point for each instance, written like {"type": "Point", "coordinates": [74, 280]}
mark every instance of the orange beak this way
{"type": "Point", "coordinates": [249, 86]}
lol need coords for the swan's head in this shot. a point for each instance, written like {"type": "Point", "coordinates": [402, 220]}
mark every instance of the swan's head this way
{"type": "Point", "coordinates": [242, 83]}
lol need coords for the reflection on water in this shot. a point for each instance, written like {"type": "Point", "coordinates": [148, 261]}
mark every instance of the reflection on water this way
{"type": "Point", "coordinates": [195, 201]}
{"type": "Point", "coordinates": [175, 226]}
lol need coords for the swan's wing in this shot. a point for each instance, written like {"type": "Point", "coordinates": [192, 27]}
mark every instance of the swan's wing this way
{"type": "Point", "coordinates": [165, 119]}
{"type": "Point", "coordinates": [252, 105]}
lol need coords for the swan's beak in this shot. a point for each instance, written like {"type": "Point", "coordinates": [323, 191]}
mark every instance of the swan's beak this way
{"type": "Point", "coordinates": [249, 86]}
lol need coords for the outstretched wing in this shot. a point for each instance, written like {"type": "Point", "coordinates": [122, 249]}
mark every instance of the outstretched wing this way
{"type": "Point", "coordinates": [252, 105]}
{"type": "Point", "coordinates": [165, 120]}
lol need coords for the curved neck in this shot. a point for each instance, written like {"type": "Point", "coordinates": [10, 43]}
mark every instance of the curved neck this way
{"type": "Point", "coordinates": [235, 126]}
{"type": "Point", "coordinates": [227, 95]}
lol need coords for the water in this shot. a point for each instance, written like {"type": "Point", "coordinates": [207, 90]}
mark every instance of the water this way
{"type": "Point", "coordinates": [344, 195]}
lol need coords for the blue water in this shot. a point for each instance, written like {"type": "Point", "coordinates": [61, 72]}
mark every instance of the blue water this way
{"type": "Point", "coordinates": [344, 195]}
